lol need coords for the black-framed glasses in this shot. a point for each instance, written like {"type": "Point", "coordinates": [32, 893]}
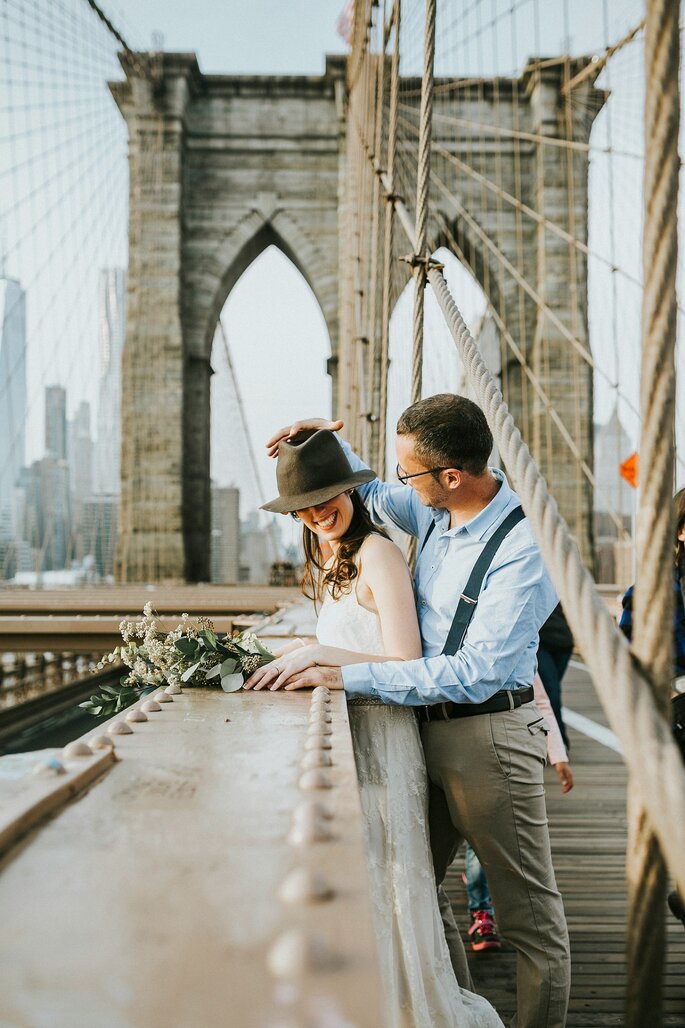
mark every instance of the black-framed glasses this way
{"type": "Point", "coordinates": [403, 478]}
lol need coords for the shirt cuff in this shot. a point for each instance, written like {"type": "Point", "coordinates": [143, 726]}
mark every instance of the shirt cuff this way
{"type": "Point", "coordinates": [357, 680]}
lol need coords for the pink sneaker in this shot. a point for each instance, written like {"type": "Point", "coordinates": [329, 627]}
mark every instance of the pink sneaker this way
{"type": "Point", "coordinates": [483, 932]}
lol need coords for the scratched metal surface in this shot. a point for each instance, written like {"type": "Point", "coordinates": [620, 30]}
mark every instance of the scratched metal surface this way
{"type": "Point", "coordinates": [151, 901]}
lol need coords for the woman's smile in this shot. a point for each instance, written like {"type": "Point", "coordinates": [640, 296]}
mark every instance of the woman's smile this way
{"type": "Point", "coordinates": [327, 521]}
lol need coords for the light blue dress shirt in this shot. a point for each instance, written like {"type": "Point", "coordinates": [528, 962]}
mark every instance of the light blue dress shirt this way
{"type": "Point", "coordinates": [500, 647]}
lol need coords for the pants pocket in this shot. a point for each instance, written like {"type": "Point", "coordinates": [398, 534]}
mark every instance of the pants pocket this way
{"type": "Point", "coordinates": [500, 744]}
{"type": "Point", "coordinates": [537, 726]}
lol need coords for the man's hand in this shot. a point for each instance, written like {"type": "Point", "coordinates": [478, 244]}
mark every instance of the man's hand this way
{"type": "Point", "coordinates": [300, 426]}
{"type": "Point", "coordinates": [565, 775]}
{"type": "Point", "coordinates": [313, 676]}
{"type": "Point", "coordinates": [277, 673]}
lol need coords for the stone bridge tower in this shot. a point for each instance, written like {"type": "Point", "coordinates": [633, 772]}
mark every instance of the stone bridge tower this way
{"type": "Point", "coordinates": [223, 166]}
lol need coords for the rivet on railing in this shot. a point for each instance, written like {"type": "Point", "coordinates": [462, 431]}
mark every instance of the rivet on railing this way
{"type": "Point", "coordinates": [120, 728]}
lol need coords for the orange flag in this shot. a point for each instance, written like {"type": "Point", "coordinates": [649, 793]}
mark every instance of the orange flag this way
{"type": "Point", "coordinates": [628, 470]}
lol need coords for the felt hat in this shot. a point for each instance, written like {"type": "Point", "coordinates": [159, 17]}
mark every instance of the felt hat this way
{"type": "Point", "coordinates": [312, 468]}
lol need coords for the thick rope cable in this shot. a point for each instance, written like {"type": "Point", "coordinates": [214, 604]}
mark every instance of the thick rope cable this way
{"type": "Point", "coordinates": [420, 256]}
{"type": "Point", "coordinates": [621, 684]}
{"type": "Point", "coordinates": [141, 66]}
{"type": "Point", "coordinates": [422, 187]}
{"type": "Point", "coordinates": [653, 602]}
{"type": "Point", "coordinates": [388, 243]}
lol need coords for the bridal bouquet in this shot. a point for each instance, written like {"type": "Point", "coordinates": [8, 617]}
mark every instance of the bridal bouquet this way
{"type": "Point", "coordinates": [193, 654]}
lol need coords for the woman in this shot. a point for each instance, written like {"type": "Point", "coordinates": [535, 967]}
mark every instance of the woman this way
{"type": "Point", "coordinates": [367, 613]}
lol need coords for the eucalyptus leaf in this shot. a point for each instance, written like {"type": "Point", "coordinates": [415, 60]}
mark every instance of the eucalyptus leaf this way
{"type": "Point", "coordinates": [187, 647]}
{"type": "Point", "coordinates": [209, 638]}
{"type": "Point", "coordinates": [190, 672]}
{"type": "Point", "coordinates": [232, 683]}
{"type": "Point", "coordinates": [262, 650]}
{"type": "Point", "coordinates": [214, 672]}
{"type": "Point", "coordinates": [91, 708]}
{"type": "Point", "coordinates": [228, 666]}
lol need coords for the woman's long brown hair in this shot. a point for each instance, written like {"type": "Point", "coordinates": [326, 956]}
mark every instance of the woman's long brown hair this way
{"type": "Point", "coordinates": [337, 579]}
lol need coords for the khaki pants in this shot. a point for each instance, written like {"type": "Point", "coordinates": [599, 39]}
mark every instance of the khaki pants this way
{"type": "Point", "coordinates": [486, 786]}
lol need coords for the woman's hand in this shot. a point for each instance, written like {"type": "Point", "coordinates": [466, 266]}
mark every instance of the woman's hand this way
{"type": "Point", "coordinates": [565, 775]}
{"type": "Point", "coordinates": [300, 426]}
{"type": "Point", "coordinates": [275, 675]}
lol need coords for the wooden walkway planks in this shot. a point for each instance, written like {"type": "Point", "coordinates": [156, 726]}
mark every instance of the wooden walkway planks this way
{"type": "Point", "coordinates": [589, 833]}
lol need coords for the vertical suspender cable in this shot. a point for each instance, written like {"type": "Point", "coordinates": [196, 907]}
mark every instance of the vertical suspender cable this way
{"type": "Point", "coordinates": [654, 586]}
{"type": "Point", "coordinates": [422, 186]}
{"type": "Point", "coordinates": [421, 237]}
{"type": "Point", "coordinates": [388, 243]}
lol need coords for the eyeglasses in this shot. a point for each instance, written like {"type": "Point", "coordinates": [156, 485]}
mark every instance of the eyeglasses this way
{"type": "Point", "coordinates": [417, 474]}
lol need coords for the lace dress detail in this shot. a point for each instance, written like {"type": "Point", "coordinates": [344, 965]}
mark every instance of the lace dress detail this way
{"type": "Point", "coordinates": [421, 989]}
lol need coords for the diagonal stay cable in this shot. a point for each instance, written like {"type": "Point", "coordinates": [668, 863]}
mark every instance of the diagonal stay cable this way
{"type": "Point", "coordinates": [248, 438]}
{"type": "Point", "coordinates": [538, 387]}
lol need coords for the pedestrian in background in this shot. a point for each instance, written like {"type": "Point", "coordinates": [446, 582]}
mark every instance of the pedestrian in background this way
{"type": "Point", "coordinates": [554, 652]}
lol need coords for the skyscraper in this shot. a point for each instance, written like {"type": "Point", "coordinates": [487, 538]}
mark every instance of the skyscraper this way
{"type": "Point", "coordinates": [56, 422]}
{"type": "Point", "coordinates": [225, 545]}
{"type": "Point", "coordinates": [80, 450]}
{"type": "Point", "coordinates": [112, 329]}
{"type": "Point", "coordinates": [12, 386]}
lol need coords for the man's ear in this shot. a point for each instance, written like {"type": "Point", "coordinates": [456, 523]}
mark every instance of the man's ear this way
{"type": "Point", "coordinates": [453, 478]}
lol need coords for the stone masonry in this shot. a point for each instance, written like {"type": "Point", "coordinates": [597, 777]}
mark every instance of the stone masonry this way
{"type": "Point", "coordinates": [223, 166]}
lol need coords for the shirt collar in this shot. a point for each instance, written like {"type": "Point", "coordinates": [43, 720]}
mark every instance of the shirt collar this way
{"type": "Point", "coordinates": [479, 525]}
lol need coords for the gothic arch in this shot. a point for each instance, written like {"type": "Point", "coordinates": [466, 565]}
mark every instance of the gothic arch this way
{"type": "Point", "coordinates": [247, 241]}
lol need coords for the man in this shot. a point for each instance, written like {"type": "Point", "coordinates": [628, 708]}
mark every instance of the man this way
{"type": "Point", "coordinates": [485, 742]}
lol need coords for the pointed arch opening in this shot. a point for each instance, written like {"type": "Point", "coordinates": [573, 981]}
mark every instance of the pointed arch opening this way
{"type": "Point", "coordinates": [251, 397]}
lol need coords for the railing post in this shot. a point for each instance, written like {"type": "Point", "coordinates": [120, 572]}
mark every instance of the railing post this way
{"type": "Point", "coordinates": [653, 605]}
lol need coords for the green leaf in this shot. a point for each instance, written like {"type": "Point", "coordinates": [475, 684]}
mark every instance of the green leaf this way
{"type": "Point", "coordinates": [190, 672]}
{"type": "Point", "coordinates": [91, 708]}
{"type": "Point", "coordinates": [214, 672]}
{"type": "Point", "coordinates": [209, 638]}
{"type": "Point", "coordinates": [231, 683]}
{"type": "Point", "coordinates": [264, 652]}
{"type": "Point", "coordinates": [187, 647]}
{"type": "Point", "coordinates": [228, 666]}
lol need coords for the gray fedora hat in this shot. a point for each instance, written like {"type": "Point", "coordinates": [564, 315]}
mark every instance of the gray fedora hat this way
{"type": "Point", "coordinates": [312, 468]}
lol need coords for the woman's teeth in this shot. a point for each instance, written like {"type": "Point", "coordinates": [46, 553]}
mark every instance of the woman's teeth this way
{"type": "Point", "coordinates": [328, 522]}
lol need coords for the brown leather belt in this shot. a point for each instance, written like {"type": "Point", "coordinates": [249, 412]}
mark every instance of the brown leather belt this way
{"type": "Point", "coordinates": [503, 700]}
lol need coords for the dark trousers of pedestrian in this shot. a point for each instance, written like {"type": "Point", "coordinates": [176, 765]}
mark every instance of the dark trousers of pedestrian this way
{"type": "Point", "coordinates": [486, 787]}
{"type": "Point", "coordinates": [552, 666]}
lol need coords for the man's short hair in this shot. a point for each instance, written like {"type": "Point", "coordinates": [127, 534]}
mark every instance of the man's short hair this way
{"type": "Point", "coordinates": [449, 431]}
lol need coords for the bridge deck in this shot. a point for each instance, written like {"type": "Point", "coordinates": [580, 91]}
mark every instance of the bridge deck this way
{"type": "Point", "coordinates": [588, 828]}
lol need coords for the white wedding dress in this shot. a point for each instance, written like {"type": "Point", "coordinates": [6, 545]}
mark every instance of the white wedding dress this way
{"type": "Point", "coordinates": [421, 989]}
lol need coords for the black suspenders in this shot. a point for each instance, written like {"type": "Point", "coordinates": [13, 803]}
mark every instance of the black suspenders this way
{"type": "Point", "coordinates": [469, 598]}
